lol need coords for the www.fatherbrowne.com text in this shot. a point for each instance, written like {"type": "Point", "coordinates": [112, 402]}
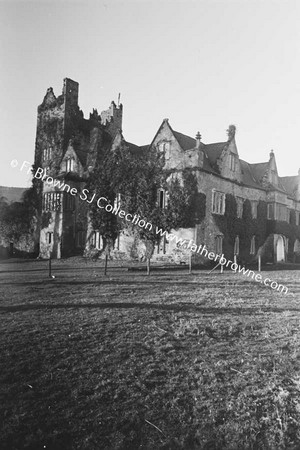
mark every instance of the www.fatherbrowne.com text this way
{"type": "Point", "coordinates": [103, 203]}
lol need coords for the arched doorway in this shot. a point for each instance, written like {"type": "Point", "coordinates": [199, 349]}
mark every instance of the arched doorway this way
{"type": "Point", "coordinates": [280, 254]}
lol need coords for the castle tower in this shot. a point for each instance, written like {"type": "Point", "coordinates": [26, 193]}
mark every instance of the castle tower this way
{"type": "Point", "coordinates": [67, 147]}
{"type": "Point", "coordinates": [70, 93]}
{"type": "Point", "coordinates": [57, 117]}
{"type": "Point", "coordinates": [112, 119]}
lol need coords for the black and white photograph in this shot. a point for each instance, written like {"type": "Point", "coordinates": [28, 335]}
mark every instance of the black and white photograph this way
{"type": "Point", "coordinates": [150, 225]}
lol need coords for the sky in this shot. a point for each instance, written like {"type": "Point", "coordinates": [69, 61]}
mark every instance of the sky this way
{"type": "Point", "coordinates": [201, 64]}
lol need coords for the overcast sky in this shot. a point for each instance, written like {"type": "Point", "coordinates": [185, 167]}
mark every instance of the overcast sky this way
{"type": "Point", "coordinates": [202, 64]}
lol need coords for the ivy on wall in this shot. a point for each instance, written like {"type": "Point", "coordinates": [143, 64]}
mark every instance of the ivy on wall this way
{"type": "Point", "coordinates": [185, 198]}
{"type": "Point", "coordinates": [245, 227]}
{"type": "Point", "coordinates": [289, 230]}
{"type": "Point", "coordinates": [45, 219]}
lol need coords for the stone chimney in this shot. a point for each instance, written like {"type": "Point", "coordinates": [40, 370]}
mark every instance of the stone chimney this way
{"type": "Point", "coordinates": [198, 140]}
{"type": "Point", "coordinates": [231, 132]}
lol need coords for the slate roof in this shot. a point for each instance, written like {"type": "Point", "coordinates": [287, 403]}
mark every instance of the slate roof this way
{"type": "Point", "coordinates": [259, 170]}
{"type": "Point", "coordinates": [185, 142]}
{"type": "Point", "coordinates": [137, 149]}
{"type": "Point", "coordinates": [247, 174]}
{"type": "Point", "coordinates": [214, 151]}
{"type": "Point", "coordinates": [207, 165]}
{"type": "Point", "coordinates": [251, 173]}
{"type": "Point", "coordinates": [133, 147]}
{"type": "Point", "coordinates": [81, 152]}
{"type": "Point", "coordinates": [289, 184]}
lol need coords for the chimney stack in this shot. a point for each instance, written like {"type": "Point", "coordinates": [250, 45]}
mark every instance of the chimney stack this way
{"type": "Point", "coordinates": [231, 132]}
{"type": "Point", "coordinates": [198, 140]}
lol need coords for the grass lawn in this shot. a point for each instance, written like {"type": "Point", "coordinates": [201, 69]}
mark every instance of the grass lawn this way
{"type": "Point", "coordinates": [126, 361]}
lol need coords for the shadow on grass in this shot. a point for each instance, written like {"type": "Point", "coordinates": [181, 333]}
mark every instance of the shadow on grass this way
{"type": "Point", "coordinates": [203, 282]}
{"type": "Point", "coordinates": [65, 269]}
{"type": "Point", "coordinates": [130, 305]}
{"type": "Point", "coordinates": [49, 282]}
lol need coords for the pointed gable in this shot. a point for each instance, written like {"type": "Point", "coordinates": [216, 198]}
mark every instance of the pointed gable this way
{"type": "Point", "coordinates": [266, 174]}
{"type": "Point", "coordinates": [71, 154]}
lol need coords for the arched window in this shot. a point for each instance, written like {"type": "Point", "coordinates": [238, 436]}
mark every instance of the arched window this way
{"type": "Point", "coordinates": [236, 250]}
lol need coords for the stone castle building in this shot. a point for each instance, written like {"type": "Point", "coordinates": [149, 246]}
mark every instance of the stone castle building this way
{"type": "Point", "coordinates": [67, 145]}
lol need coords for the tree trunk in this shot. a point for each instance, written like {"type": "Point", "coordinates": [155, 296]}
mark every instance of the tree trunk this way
{"type": "Point", "coordinates": [148, 266]}
{"type": "Point", "coordinates": [149, 252]}
{"type": "Point", "coordinates": [105, 264]}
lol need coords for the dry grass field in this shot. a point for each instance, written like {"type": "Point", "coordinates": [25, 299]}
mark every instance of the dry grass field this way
{"type": "Point", "coordinates": [126, 361]}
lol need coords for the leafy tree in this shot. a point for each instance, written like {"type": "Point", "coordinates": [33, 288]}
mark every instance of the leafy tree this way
{"type": "Point", "coordinates": [15, 221]}
{"type": "Point", "coordinates": [140, 196]}
{"type": "Point", "coordinates": [22, 218]}
{"type": "Point", "coordinates": [186, 205]}
{"type": "Point", "coordinates": [138, 175]}
{"type": "Point", "coordinates": [106, 178]}
{"type": "Point", "coordinates": [141, 189]}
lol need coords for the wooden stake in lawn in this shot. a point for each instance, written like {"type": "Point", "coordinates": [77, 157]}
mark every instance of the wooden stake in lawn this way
{"type": "Point", "coordinates": [50, 268]}
{"type": "Point", "coordinates": [149, 252]}
{"type": "Point", "coordinates": [190, 262]}
{"type": "Point", "coordinates": [214, 268]}
{"type": "Point", "coordinates": [105, 264]}
{"type": "Point", "coordinates": [222, 268]}
{"type": "Point", "coordinates": [259, 263]}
